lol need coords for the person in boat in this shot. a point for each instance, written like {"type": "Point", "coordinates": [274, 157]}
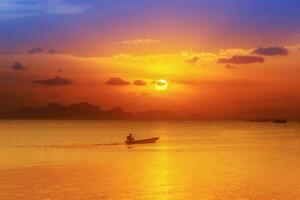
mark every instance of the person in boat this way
{"type": "Point", "coordinates": [130, 137]}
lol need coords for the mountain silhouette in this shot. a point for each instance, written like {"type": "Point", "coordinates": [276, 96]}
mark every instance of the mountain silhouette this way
{"type": "Point", "coordinates": [84, 111]}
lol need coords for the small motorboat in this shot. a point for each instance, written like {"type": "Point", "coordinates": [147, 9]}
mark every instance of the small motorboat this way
{"type": "Point", "coordinates": [143, 141]}
{"type": "Point", "coordinates": [280, 121]}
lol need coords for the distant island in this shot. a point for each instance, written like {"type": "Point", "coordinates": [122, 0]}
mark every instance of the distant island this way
{"type": "Point", "coordinates": [276, 121]}
{"type": "Point", "coordinates": [88, 111]}
{"type": "Point", "coordinates": [84, 111]}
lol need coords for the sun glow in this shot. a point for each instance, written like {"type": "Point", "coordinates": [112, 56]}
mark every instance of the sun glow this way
{"type": "Point", "coordinates": [161, 85]}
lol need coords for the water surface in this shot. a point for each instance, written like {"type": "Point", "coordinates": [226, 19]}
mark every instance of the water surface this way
{"type": "Point", "coordinates": [192, 160]}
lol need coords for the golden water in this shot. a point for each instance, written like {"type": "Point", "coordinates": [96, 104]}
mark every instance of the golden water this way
{"type": "Point", "coordinates": [62, 160]}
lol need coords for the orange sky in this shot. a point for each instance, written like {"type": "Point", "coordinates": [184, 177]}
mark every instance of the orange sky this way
{"type": "Point", "coordinates": [209, 84]}
{"type": "Point", "coordinates": [235, 59]}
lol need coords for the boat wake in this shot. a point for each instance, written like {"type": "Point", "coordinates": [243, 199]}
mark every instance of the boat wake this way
{"type": "Point", "coordinates": [81, 145]}
{"type": "Point", "coordinates": [68, 146]}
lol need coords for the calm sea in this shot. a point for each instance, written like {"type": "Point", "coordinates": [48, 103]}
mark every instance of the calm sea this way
{"type": "Point", "coordinates": [67, 160]}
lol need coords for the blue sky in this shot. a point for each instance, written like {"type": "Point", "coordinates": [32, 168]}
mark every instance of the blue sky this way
{"type": "Point", "coordinates": [221, 24]}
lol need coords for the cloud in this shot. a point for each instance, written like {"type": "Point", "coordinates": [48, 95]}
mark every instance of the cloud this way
{"type": "Point", "coordinates": [54, 81]}
{"type": "Point", "coordinates": [192, 60]}
{"type": "Point", "coordinates": [52, 51]}
{"type": "Point", "coordinates": [139, 82]}
{"type": "Point", "coordinates": [230, 66]}
{"type": "Point", "coordinates": [271, 51]}
{"type": "Point", "coordinates": [241, 60]}
{"type": "Point", "coordinates": [38, 50]}
{"type": "Point", "coordinates": [140, 41]}
{"type": "Point", "coordinates": [160, 82]}
{"type": "Point", "coordinates": [18, 66]}
{"type": "Point", "coordinates": [35, 50]}
{"type": "Point", "coordinates": [116, 81]}
{"type": "Point", "coordinates": [10, 9]}
{"type": "Point", "coordinates": [32, 51]}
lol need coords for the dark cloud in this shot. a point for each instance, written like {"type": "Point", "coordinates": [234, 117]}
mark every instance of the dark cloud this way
{"type": "Point", "coordinates": [230, 66]}
{"type": "Point", "coordinates": [159, 82]}
{"type": "Point", "coordinates": [52, 51]}
{"type": "Point", "coordinates": [139, 82]}
{"type": "Point", "coordinates": [116, 81]}
{"type": "Point", "coordinates": [54, 81]}
{"type": "Point", "coordinates": [35, 50]}
{"type": "Point", "coordinates": [18, 66]}
{"type": "Point", "coordinates": [271, 51]}
{"type": "Point", "coordinates": [192, 60]}
{"type": "Point", "coordinates": [241, 60]}
{"type": "Point", "coordinates": [38, 50]}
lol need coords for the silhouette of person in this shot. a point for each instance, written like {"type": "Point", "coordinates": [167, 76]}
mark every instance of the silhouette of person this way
{"type": "Point", "coordinates": [130, 137]}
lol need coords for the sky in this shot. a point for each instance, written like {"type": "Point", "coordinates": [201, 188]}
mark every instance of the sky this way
{"type": "Point", "coordinates": [206, 58]}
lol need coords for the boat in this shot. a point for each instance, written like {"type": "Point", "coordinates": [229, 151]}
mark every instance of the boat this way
{"type": "Point", "coordinates": [279, 121]}
{"type": "Point", "coordinates": [143, 141]}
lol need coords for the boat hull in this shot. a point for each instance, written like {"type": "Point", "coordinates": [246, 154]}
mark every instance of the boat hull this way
{"type": "Point", "coordinates": [144, 141]}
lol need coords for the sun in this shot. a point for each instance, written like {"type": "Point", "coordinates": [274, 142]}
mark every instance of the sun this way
{"type": "Point", "coordinates": [161, 85]}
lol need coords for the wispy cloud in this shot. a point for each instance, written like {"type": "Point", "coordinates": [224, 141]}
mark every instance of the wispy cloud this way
{"type": "Point", "coordinates": [18, 66]}
{"type": "Point", "coordinates": [53, 81]}
{"type": "Point", "coordinates": [38, 50]}
{"type": "Point", "coordinates": [237, 59]}
{"type": "Point", "coordinates": [35, 50]}
{"type": "Point", "coordinates": [116, 81]}
{"type": "Point", "coordinates": [10, 9]}
{"type": "Point", "coordinates": [230, 67]}
{"type": "Point", "coordinates": [139, 82]}
{"type": "Point", "coordinates": [193, 60]}
{"type": "Point", "coordinates": [140, 41]}
{"type": "Point", "coordinates": [271, 51]}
